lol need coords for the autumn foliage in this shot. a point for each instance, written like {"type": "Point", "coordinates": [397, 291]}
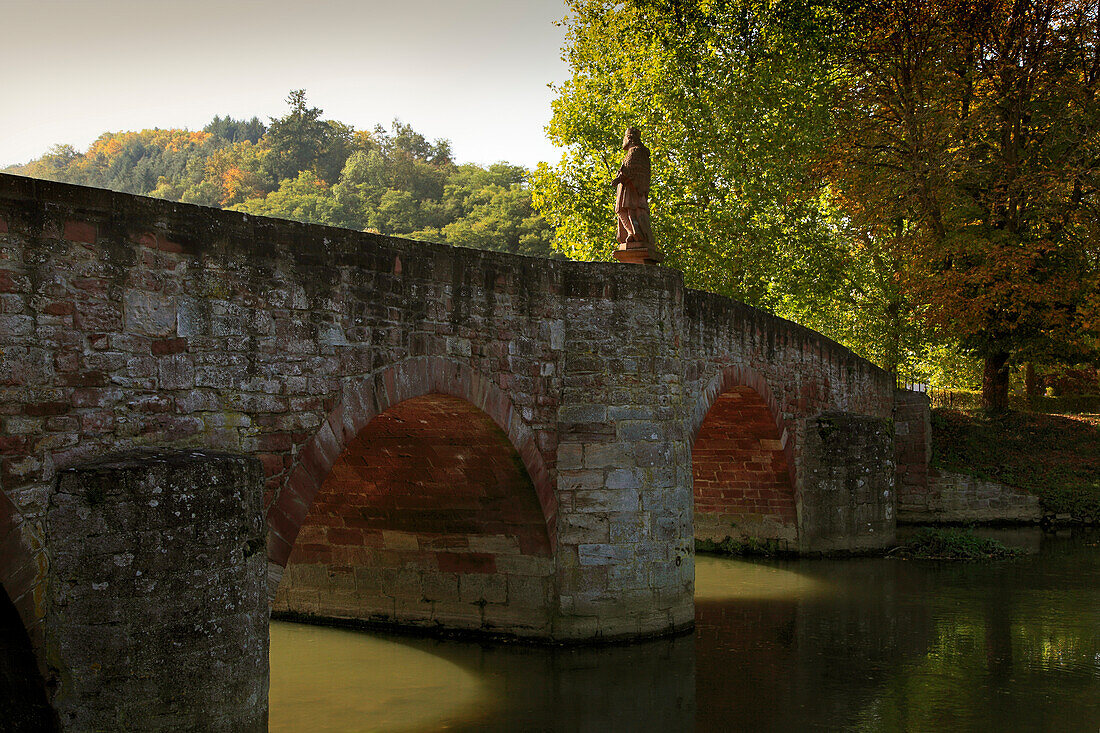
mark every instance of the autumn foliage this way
{"type": "Point", "coordinates": [968, 134]}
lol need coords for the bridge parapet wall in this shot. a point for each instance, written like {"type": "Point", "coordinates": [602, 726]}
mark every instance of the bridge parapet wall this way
{"type": "Point", "coordinates": [127, 321]}
{"type": "Point", "coordinates": [805, 372]}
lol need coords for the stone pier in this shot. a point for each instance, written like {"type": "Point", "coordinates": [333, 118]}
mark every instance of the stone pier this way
{"type": "Point", "coordinates": [156, 612]}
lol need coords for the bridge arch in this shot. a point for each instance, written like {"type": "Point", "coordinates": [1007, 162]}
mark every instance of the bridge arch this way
{"type": "Point", "coordinates": [743, 469]}
{"type": "Point", "coordinates": [425, 501]}
{"type": "Point", "coordinates": [21, 570]}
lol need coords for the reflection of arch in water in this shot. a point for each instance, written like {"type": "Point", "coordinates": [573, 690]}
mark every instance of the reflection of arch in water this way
{"type": "Point", "coordinates": [742, 462]}
{"type": "Point", "coordinates": [648, 685]}
{"type": "Point", "coordinates": [429, 517]}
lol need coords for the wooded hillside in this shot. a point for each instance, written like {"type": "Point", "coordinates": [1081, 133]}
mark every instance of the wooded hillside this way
{"type": "Point", "coordinates": [310, 169]}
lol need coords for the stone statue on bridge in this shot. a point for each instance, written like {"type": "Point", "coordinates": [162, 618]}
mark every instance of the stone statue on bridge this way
{"type": "Point", "coordinates": [635, 235]}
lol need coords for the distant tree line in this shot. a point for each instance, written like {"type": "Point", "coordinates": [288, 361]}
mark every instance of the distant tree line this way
{"type": "Point", "coordinates": [306, 168]}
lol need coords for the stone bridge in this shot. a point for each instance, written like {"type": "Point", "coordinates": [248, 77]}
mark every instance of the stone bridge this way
{"type": "Point", "coordinates": [450, 438]}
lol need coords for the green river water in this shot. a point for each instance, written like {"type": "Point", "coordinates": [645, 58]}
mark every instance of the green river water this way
{"type": "Point", "coordinates": [859, 644]}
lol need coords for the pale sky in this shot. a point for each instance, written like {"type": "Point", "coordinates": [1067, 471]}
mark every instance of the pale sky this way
{"type": "Point", "coordinates": [473, 71]}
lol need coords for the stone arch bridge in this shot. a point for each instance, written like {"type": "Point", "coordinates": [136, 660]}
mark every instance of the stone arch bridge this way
{"type": "Point", "coordinates": [450, 438]}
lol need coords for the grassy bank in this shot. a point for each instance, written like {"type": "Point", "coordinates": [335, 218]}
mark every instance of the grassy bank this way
{"type": "Point", "coordinates": [1056, 457]}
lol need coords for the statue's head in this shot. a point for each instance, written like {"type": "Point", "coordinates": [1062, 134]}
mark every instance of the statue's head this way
{"type": "Point", "coordinates": [632, 138]}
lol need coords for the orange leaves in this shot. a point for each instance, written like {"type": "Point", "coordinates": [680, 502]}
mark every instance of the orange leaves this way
{"type": "Point", "coordinates": [966, 143]}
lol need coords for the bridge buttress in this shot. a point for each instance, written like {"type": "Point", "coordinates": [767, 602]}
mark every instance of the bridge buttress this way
{"type": "Point", "coordinates": [625, 549]}
{"type": "Point", "coordinates": [156, 616]}
{"type": "Point", "coordinates": [846, 483]}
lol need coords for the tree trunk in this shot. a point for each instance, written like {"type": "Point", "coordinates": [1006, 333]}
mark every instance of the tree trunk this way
{"type": "Point", "coordinates": [995, 382]}
{"type": "Point", "coordinates": [1031, 384]}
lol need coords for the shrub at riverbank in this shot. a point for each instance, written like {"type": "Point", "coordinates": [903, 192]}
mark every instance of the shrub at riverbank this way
{"type": "Point", "coordinates": [1056, 457]}
{"type": "Point", "coordinates": [953, 544]}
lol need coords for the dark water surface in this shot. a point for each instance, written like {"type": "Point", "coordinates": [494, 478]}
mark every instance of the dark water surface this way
{"type": "Point", "coordinates": [861, 645]}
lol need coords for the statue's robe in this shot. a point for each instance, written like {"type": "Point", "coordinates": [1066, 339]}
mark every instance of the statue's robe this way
{"type": "Point", "coordinates": [632, 202]}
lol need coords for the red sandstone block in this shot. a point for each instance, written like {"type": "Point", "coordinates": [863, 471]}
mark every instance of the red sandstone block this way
{"type": "Point", "coordinates": [467, 562]}
{"type": "Point", "coordinates": [301, 486]}
{"type": "Point", "coordinates": [145, 239]}
{"type": "Point", "coordinates": [272, 463]}
{"type": "Point", "coordinates": [11, 444]}
{"type": "Point", "coordinates": [59, 309]}
{"type": "Point", "coordinates": [167, 245]}
{"type": "Point", "coordinates": [344, 536]}
{"type": "Point", "coordinates": [21, 573]}
{"type": "Point", "coordinates": [79, 231]}
{"type": "Point", "coordinates": [535, 541]}
{"type": "Point", "coordinates": [3, 225]}
{"type": "Point", "coordinates": [281, 522]}
{"type": "Point", "coordinates": [160, 347]}
{"type": "Point", "coordinates": [39, 409]}
{"type": "Point", "coordinates": [315, 463]}
{"type": "Point", "coordinates": [11, 282]}
{"type": "Point", "coordinates": [278, 549]}
{"type": "Point", "coordinates": [328, 445]}
{"type": "Point", "coordinates": [275, 442]}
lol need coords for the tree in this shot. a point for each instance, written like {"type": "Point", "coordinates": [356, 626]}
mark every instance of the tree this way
{"type": "Point", "coordinates": [304, 198]}
{"type": "Point", "coordinates": [969, 135]}
{"type": "Point", "coordinates": [236, 131]}
{"type": "Point", "coordinates": [296, 140]}
{"type": "Point", "coordinates": [733, 99]}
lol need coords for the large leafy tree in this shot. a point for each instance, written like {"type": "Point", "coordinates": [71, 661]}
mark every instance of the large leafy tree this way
{"type": "Point", "coordinates": [968, 146]}
{"type": "Point", "coordinates": [301, 140]}
{"type": "Point", "coordinates": [732, 99]}
{"type": "Point", "coordinates": [900, 174]}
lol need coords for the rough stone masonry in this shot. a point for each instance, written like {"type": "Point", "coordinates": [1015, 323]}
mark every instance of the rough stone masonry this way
{"type": "Point", "coordinates": [128, 322]}
{"type": "Point", "coordinates": [156, 614]}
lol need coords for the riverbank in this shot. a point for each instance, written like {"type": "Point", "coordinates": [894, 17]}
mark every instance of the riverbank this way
{"type": "Point", "coordinates": [1055, 457]}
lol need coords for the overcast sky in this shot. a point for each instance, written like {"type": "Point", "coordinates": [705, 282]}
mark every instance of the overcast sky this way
{"type": "Point", "coordinates": [473, 71]}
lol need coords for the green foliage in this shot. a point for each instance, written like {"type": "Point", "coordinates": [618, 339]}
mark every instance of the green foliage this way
{"type": "Point", "coordinates": [297, 141]}
{"type": "Point", "coordinates": [733, 99]}
{"type": "Point", "coordinates": [954, 544]}
{"type": "Point", "coordinates": [1056, 457]}
{"type": "Point", "coordinates": [305, 198]}
{"type": "Point", "coordinates": [309, 169]}
{"type": "Point", "coordinates": [897, 175]}
{"type": "Point", "coordinates": [235, 131]}
{"type": "Point", "coordinates": [730, 105]}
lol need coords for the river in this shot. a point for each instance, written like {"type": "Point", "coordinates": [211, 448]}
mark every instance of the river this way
{"type": "Point", "coordinates": [867, 644]}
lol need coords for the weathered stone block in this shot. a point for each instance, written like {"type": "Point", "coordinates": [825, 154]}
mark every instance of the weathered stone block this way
{"type": "Point", "coordinates": [475, 587]}
{"type": "Point", "coordinates": [150, 313]}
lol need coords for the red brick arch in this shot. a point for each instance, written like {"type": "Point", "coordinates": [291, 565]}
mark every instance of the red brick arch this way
{"type": "Point", "coordinates": [374, 395]}
{"type": "Point", "coordinates": [742, 452]}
